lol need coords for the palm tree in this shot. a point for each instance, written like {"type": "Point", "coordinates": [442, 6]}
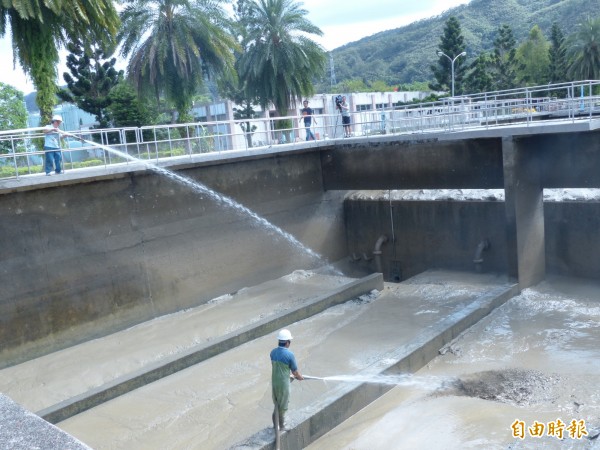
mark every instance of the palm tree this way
{"type": "Point", "coordinates": [40, 28]}
{"type": "Point", "coordinates": [583, 51]}
{"type": "Point", "coordinates": [280, 62]}
{"type": "Point", "coordinates": [173, 44]}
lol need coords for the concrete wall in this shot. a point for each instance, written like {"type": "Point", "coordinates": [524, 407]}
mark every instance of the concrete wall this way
{"type": "Point", "coordinates": [572, 232]}
{"type": "Point", "coordinates": [445, 234]}
{"type": "Point", "coordinates": [82, 259]}
{"type": "Point", "coordinates": [559, 160]}
{"type": "Point", "coordinates": [407, 162]}
{"type": "Point", "coordinates": [425, 234]}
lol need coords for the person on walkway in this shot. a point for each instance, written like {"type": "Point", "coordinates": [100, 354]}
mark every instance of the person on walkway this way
{"type": "Point", "coordinates": [345, 110]}
{"type": "Point", "coordinates": [283, 362]}
{"type": "Point", "coordinates": [52, 139]}
{"type": "Point", "coordinates": [307, 115]}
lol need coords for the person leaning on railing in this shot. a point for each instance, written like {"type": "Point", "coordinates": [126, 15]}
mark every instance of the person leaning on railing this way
{"type": "Point", "coordinates": [52, 138]}
{"type": "Point", "coordinates": [52, 148]}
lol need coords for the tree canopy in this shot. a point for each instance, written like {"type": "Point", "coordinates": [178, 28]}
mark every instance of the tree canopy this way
{"type": "Point", "coordinates": [90, 79]}
{"type": "Point", "coordinates": [452, 45]}
{"type": "Point", "coordinates": [40, 28]}
{"type": "Point", "coordinates": [533, 59]}
{"type": "Point", "coordinates": [583, 50]}
{"type": "Point", "coordinates": [13, 114]}
{"type": "Point", "coordinates": [557, 69]}
{"type": "Point", "coordinates": [279, 61]}
{"type": "Point", "coordinates": [504, 59]}
{"type": "Point", "coordinates": [173, 44]}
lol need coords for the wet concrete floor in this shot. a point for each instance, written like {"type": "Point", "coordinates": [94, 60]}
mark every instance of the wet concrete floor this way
{"type": "Point", "coordinates": [220, 402]}
{"type": "Point", "coordinates": [535, 360]}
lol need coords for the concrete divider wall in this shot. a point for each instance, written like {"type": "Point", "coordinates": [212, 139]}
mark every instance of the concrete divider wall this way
{"type": "Point", "coordinates": [83, 258]}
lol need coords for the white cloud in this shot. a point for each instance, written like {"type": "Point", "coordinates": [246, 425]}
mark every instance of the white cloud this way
{"type": "Point", "coordinates": [353, 20]}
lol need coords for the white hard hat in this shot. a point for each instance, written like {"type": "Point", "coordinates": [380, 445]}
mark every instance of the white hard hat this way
{"type": "Point", "coordinates": [56, 117]}
{"type": "Point", "coordinates": [284, 335]}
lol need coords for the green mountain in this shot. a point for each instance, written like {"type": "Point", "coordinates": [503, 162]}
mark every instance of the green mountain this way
{"type": "Point", "coordinates": [405, 54]}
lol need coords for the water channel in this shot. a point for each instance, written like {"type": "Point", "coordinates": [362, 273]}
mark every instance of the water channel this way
{"type": "Point", "coordinates": [534, 360]}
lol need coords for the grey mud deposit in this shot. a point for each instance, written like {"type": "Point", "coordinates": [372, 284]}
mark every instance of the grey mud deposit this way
{"type": "Point", "coordinates": [514, 386]}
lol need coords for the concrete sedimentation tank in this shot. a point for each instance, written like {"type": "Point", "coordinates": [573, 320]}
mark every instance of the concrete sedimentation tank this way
{"type": "Point", "coordinates": [140, 315]}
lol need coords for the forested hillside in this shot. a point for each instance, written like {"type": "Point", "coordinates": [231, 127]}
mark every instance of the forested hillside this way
{"type": "Point", "coordinates": [404, 55]}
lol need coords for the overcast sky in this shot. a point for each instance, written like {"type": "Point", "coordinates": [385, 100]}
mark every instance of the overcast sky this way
{"type": "Point", "coordinates": [341, 21]}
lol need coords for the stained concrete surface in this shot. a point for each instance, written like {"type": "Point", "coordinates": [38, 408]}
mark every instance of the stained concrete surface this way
{"type": "Point", "coordinates": [221, 402]}
{"type": "Point", "coordinates": [536, 358]}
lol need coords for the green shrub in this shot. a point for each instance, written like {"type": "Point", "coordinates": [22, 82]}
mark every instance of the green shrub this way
{"type": "Point", "coordinates": [9, 171]}
{"type": "Point", "coordinates": [88, 163]}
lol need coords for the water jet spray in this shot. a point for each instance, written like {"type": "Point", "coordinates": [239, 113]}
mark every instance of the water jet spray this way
{"type": "Point", "coordinates": [215, 196]}
{"type": "Point", "coordinates": [426, 382]}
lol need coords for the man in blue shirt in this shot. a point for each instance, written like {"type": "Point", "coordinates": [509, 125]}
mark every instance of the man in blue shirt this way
{"type": "Point", "coordinates": [307, 115]}
{"type": "Point", "coordinates": [283, 362]}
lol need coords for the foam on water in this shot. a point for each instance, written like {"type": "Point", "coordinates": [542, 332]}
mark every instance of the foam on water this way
{"type": "Point", "coordinates": [550, 195]}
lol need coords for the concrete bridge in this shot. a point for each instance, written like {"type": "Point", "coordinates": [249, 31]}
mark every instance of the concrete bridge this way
{"type": "Point", "coordinates": [521, 160]}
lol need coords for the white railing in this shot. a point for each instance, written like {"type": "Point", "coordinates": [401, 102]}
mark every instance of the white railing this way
{"type": "Point", "coordinates": [21, 150]}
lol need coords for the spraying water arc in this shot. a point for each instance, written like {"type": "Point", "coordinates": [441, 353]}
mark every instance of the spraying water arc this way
{"type": "Point", "coordinates": [215, 196]}
{"type": "Point", "coordinates": [407, 379]}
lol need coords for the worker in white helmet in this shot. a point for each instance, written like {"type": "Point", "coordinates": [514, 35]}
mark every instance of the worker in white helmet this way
{"type": "Point", "coordinates": [283, 362]}
{"type": "Point", "coordinates": [53, 135]}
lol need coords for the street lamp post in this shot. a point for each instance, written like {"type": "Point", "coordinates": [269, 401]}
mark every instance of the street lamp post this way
{"type": "Point", "coordinates": [441, 53]}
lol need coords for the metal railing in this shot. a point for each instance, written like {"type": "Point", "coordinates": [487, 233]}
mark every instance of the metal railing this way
{"type": "Point", "coordinates": [21, 150]}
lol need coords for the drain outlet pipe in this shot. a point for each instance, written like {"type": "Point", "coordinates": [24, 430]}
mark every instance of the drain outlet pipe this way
{"type": "Point", "coordinates": [478, 259]}
{"type": "Point", "coordinates": [377, 252]}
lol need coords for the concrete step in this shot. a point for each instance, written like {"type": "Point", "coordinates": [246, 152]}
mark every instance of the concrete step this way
{"type": "Point", "coordinates": [65, 383]}
{"type": "Point", "coordinates": [225, 401]}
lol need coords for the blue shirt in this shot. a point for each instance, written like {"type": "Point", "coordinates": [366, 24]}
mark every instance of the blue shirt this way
{"type": "Point", "coordinates": [51, 139]}
{"type": "Point", "coordinates": [282, 361]}
{"type": "Point", "coordinates": [308, 117]}
{"type": "Point", "coordinates": [284, 356]}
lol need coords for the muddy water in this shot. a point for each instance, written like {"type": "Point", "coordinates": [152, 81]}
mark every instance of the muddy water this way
{"type": "Point", "coordinates": [50, 379]}
{"type": "Point", "coordinates": [220, 402]}
{"type": "Point", "coordinates": [535, 359]}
